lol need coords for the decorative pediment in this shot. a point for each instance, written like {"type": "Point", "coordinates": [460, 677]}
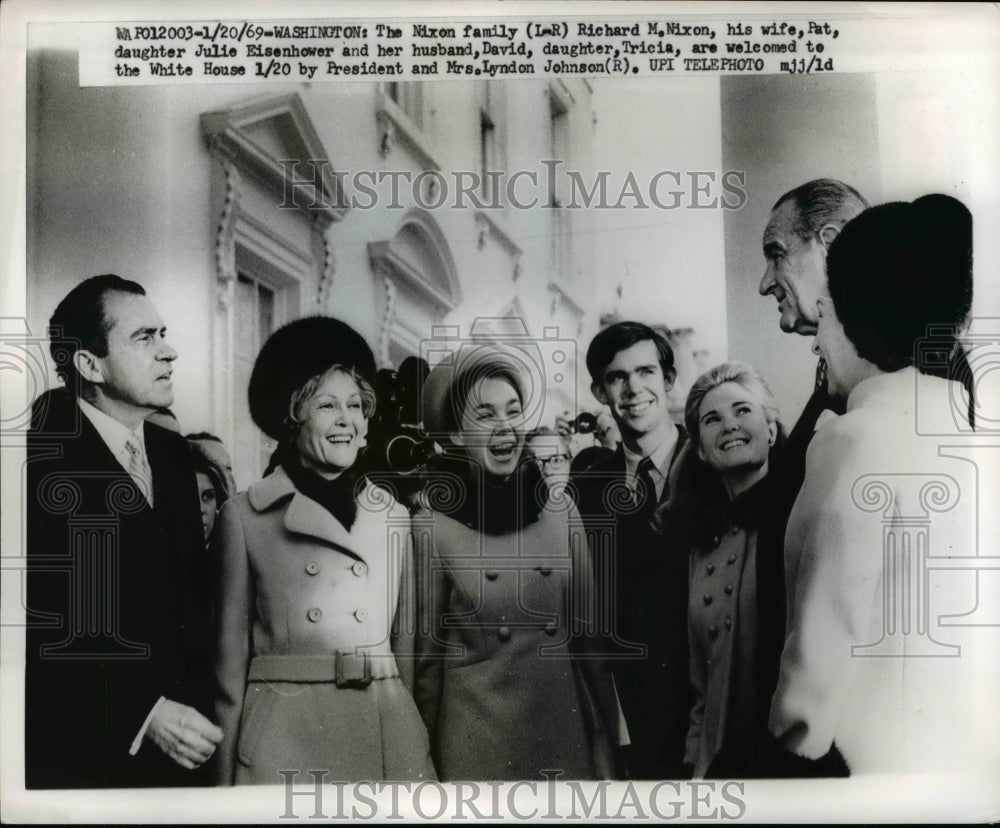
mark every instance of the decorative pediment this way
{"type": "Point", "coordinates": [274, 141]}
{"type": "Point", "coordinates": [418, 257]}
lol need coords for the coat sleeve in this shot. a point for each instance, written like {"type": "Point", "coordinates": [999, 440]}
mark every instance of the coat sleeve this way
{"type": "Point", "coordinates": [593, 670]}
{"type": "Point", "coordinates": [830, 595]}
{"type": "Point", "coordinates": [235, 601]}
{"type": "Point", "coordinates": [404, 622]}
{"type": "Point", "coordinates": [431, 604]}
{"type": "Point", "coordinates": [698, 684]}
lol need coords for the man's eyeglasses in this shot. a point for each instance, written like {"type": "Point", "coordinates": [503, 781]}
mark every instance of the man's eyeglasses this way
{"type": "Point", "coordinates": [554, 462]}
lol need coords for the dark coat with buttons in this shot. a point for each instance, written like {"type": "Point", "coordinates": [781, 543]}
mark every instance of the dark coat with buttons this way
{"type": "Point", "coordinates": [503, 616]}
{"type": "Point", "coordinates": [295, 582]}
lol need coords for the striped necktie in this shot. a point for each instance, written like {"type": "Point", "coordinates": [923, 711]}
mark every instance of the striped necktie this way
{"type": "Point", "coordinates": [138, 467]}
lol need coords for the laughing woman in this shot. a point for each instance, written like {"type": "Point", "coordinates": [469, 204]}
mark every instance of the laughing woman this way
{"type": "Point", "coordinates": [312, 562]}
{"type": "Point", "coordinates": [504, 585]}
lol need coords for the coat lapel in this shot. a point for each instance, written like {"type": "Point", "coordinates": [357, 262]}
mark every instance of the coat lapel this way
{"type": "Point", "coordinates": [304, 516]}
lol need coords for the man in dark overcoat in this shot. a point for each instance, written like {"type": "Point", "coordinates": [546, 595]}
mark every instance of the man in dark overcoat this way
{"type": "Point", "coordinates": [117, 595]}
{"type": "Point", "coordinates": [640, 557]}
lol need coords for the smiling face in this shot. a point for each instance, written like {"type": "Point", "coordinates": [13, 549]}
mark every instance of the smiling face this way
{"type": "Point", "coordinates": [134, 378]}
{"type": "Point", "coordinates": [734, 434]}
{"type": "Point", "coordinates": [333, 425]}
{"type": "Point", "coordinates": [491, 430]}
{"type": "Point", "coordinates": [796, 271]}
{"type": "Point", "coordinates": [634, 387]}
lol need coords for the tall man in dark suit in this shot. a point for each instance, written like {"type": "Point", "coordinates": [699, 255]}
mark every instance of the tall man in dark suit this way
{"type": "Point", "coordinates": [802, 226]}
{"type": "Point", "coordinates": [641, 567]}
{"type": "Point", "coordinates": [117, 665]}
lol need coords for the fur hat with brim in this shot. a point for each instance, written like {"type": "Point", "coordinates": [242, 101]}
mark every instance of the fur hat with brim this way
{"type": "Point", "coordinates": [292, 356]}
{"type": "Point", "coordinates": [447, 387]}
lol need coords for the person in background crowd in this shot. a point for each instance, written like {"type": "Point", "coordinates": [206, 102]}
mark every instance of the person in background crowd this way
{"type": "Point", "coordinates": [642, 572]}
{"type": "Point", "coordinates": [606, 433]}
{"type": "Point", "coordinates": [314, 582]}
{"type": "Point", "coordinates": [732, 419]}
{"type": "Point", "coordinates": [211, 488]}
{"type": "Point", "coordinates": [513, 689]}
{"type": "Point", "coordinates": [853, 589]}
{"type": "Point", "coordinates": [215, 451]}
{"type": "Point", "coordinates": [121, 703]}
{"type": "Point", "coordinates": [551, 452]}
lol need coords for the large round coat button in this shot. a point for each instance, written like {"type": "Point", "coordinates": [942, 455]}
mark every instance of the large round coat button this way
{"type": "Point", "coordinates": [544, 570]}
{"type": "Point", "coordinates": [707, 599]}
{"type": "Point", "coordinates": [729, 589]}
{"type": "Point", "coordinates": [314, 614]}
{"type": "Point", "coordinates": [713, 631]}
{"type": "Point", "coordinates": [504, 633]}
{"type": "Point", "coordinates": [731, 559]}
{"type": "Point", "coordinates": [359, 568]}
{"type": "Point", "coordinates": [361, 614]}
{"type": "Point", "coordinates": [492, 574]}
{"type": "Point", "coordinates": [312, 568]}
{"type": "Point", "coordinates": [551, 628]}
{"type": "Point", "coordinates": [710, 568]}
{"type": "Point", "coordinates": [729, 622]}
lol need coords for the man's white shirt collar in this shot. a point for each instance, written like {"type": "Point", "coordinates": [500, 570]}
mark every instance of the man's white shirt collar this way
{"type": "Point", "coordinates": [660, 456]}
{"type": "Point", "coordinates": [113, 433]}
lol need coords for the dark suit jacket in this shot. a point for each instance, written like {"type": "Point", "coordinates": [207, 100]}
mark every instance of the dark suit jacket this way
{"type": "Point", "coordinates": [642, 569]}
{"type": "Point", "coordinates": [118, 604]}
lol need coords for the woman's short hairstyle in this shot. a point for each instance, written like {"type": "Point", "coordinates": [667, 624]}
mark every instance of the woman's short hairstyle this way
{"type": "Point", "coordinates": [898, 269]}
{"type": "Point", "coordinates": [739, 372]}
{"type": "Point", "coordinates": [301, 396]}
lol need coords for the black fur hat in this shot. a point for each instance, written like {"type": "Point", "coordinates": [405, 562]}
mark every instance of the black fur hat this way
{"type": "Point", "coordinates": [292, 356]}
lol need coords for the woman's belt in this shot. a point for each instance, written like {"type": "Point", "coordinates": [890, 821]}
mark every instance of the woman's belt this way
{"type": "Point", "coordinates": [343, 668]}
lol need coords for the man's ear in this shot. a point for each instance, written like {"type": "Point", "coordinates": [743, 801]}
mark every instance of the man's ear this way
{"type": "Point", "coordinates": [827, 233]}
{"type": "Point", "coordinates": [669, 378]}
{"type": "Point", "coordinates": [598, 391]}
{"type": "Point", "coordinates": [88, 366]}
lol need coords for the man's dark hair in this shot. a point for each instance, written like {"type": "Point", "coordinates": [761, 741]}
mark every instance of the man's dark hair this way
{"type": "Point", "coordinates": [619, 337]}
{"type": "Point", "coordinates": [821, 202]}
{"type": "Point", "coordinates": [79, 323]}
{"type": "Point", "coordinates": [897, 269]}
{"type": "Point", "coordinates": [202, 435]}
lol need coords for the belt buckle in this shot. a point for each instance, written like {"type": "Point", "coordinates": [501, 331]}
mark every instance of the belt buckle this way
{"type": "Point", "coordinates": [353, 669]}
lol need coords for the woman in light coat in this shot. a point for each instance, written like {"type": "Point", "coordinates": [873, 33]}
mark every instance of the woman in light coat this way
{"type": "Point", "coordinates": [314, 566]}
{"type": "Point", "coordinates": [509, 678]}
{"type": "Point", "coordinates": [879, 665]}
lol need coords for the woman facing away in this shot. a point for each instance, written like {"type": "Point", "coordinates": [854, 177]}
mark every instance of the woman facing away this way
{"type": "Point", "coordinates": [503, 678]}
{"type": "Point", "coordinates": [879, 663]}
{"type": "Point", "coordinates": [314, 568]}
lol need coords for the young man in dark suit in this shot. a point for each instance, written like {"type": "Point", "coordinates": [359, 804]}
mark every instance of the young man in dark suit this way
{"type": "Point", "coordinates": [640, 561]}
{"type": "Point", "coordinates": [118, 593]}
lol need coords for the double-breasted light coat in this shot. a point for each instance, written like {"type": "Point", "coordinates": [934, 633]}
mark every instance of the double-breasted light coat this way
{"type": "Point", "coordinates": [297, 588]}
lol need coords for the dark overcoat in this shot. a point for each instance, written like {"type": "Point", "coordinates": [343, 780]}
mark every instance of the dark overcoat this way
{"type": "Point", "coordinates": [117, 604]}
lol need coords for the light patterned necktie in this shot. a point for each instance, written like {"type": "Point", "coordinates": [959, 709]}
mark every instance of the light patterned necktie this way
{"type": "Point", "coordinates": [138, 467]}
